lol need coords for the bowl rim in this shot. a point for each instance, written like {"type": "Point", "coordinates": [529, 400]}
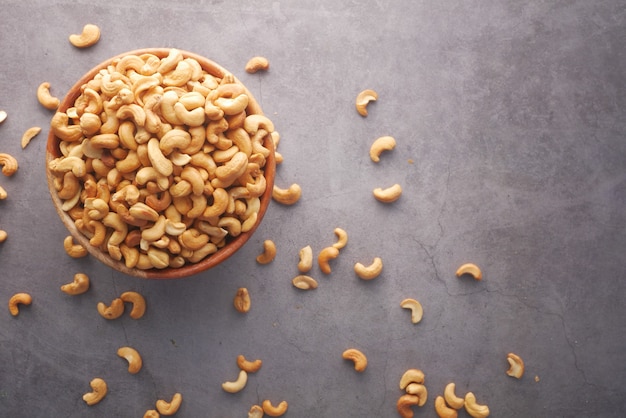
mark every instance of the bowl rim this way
{"type": "Point", "coordinates": [53, 151]}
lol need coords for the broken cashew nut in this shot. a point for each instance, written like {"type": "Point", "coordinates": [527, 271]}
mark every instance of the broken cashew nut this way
{"type": "Point", "coordinates": [325, 255]}
{"type": "Point", "coordinates": [169, 408]}
{"type": "Point", "coordinates": [132, 357]}
{"type": "Point", "coordinates": [274, 411]}
{"type": "Point", "coordinates": [451, 398]}
{"type": "Point", "coordinates": [471, 269]}
{"type": "Point", "coordinates": [384, 143]}
{"type": "Point", "coordinates": [306, 259]}
{"type": "Point", "coordinates": [363, 99]}
{"type": "Point", "coordinates": [369, 272]}
{"type": "Point", "coordinates": [19, 299]}
{"type": "Point", "coordinates": [516, 365]}
{"type": "Point", "coordinates": [113, 311]}
{"type": "Point", "coordinates": [443, 410]}
{"type": "Point", "coordinates": [359, 359]}
{"type": "Point", "coordinates": [473, 409]}
{"type": "Point", "coordinates": [288, 196]}
{"type": "Point", "coordinates": [257, 64]}
{"type": "Point", "coordinates": [416, 309]}
{"type": "Point", "coordinates": [73, 250]}
{"type": "Point", "coordinates": [269, 252]}
{"type": "Point", "coordinates": [29, 135]}
{"type": "Point", "coordinates": [255, 411]}
{"type": "Point", "coordinates": [151, 413]}
{"type": "Point", "coordinates": [342, 238]}
{"type": "Point", "coordinates": [78, 286]}
{"type": "Point", "coordinates": [9, 164]}
{"type": "Point", "coordinates": [411, 376]}
{"type": "Point", "coordinates": [99, 391]}
{"type": "Point", "coordinates": [242, 300]}
{"type": "Point", "coordinates": [304, 282]}
{"type": "Point", "coordinates": [236, 385]}
{"type": "Point", "coordinates": [88, 37]}
{"type": "Point", "coordinates": [388, 195]}
{"type": "Point", "coordinates": [138, 301]}
{"type": "Point", "coordinates": [46, 99]}
{"type": "Point", "coordinates": [247, 365]}
{"type": "Point", "coordinates": [404, 404]}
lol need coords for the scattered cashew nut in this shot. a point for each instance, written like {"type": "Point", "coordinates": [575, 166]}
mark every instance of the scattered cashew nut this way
{"type": "Point", "coordinates": [416, 309]}
{"type": "Point", "coordinates": [306, 259]}
{"type": "Point", "coordinates": [132, 357]}
{"type": "Point", "coordinates": [342, 238]}
{"type": "Point", "coordinates": [29, 135]}
{"type": "Point", "coordinates": [450, 397]}
{"type": "Point", "coordinates": [19, 299]}
{"type": "Point", "coordinates": [419, 390]}
{"type": "Point", "coordinates": [516, 364]}
{"type": "Point", "coordinates": [363, 99]}
{"type": "Point", "coordinates": [369, 272]}
{"type": "Point", "coordinates": [169, 408]}
{"type": "Point", "coordinates": [304, 282]}
{"type": "Point", "coordinates": [78, 286]}
{"type": "Point", "coordinates": [473, 409]}
{"type": "Point", "coordinates": [359, 359]}
{"type": "Point", "coordinates": [151, 413]}
{"type": "Point", "coordinates": [9, 164]}
{"type": "Point", "coordinates": [404, 404]}
{"type": "Point", "coordinates": [383, 143]}
{"type": "Point", "coordinates": [471, 269]}
{"type": "Point", "coordinates": [274, 411]}
{"type": "Point", "coordinates": [389, 194]}
{"type": "Point", "coordinates": [3, 115]}
{"type": "Point", "coordinates": [325, 255]}
{"type": "Point", "coordinates": [73, 250]}
{"type": "Point", "coordinates": [242, 300]}
{"type": "Point", "coordinates": [3, 235]}
{"type": "Point", "coordinates": [88, 37]}
{"type": "Point", "coordinates": [411, 376]}
{"type": "Point", "coordinates": [256, 411]}
{"type": "Point", "coordinates": [113, 311]}
{"type": "Point", "coordinates": [138, 301]}
{"type": "Point", "coordinates": [443, 410]}
{"type": "Point", "coordinates": [257, 64]}
{"type": "Point", "coordinates": [99, 391]}
{"type": "Point", "coordinates": [269, 252]}
{"type": "Point", "coordinates": [247, 365]}
{"type": "Point", "coordinates": [236, 385]}
{"type": "Point", "coordinates": [288, 196]}
{"type": "Point", "coordinates": [46, 99]}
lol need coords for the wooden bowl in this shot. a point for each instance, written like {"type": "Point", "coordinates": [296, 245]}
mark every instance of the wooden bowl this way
{"type": "Point", "coordinates": [232, 245]}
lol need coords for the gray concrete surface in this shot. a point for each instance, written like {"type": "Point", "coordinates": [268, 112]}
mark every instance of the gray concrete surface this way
{"type": "Point", "coordinates": [510, 124]}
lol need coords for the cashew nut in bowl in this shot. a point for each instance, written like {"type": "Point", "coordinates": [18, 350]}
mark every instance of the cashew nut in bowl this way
{"type": "Point", "coordinates": [113, 311]}
{"type": "Point", "coordinates": [389, 194]}
{"type": "Point", "coordinates": [325, 255]}
{"type": "Point", "coordinates": [88, 37]}
{"type": "Point", "coordinates": [9, 164]}
{"type": "Point", "coordinates": [269, 252]}
{"type": "Point", "coordinates": [236, 385]}
{"type": "Point", "coordinates": [306, 259]}
{"type": "Point", "coordinates": [257, 64]}
{"type": "Point", "coordinates": [79, 286]}
{"type": "Point", "coordinates": [138, 301]}
{"type": "Point", "coordinates": [516, 365]}
{"type": "Point", "coordinates": [169, 408]}
{"type": "Point", "coordinates": [242, 300]}
{"type": "Point", "coordinates": [419, 390]}
{"type": "Point", "coordinates": [416, 309]}
{"type": "Point", "coordinates": [470, 269]}
{"type": "Point", "coordinates": [383, 143]}
{"type": "Point", "coordinates": [247, 365]}
{"type": "Point", "coordinates": [29, 134]}
{"type": "Point", "coordinates": [473, 409]}
{"type": "Point", "coordinates": [73, 250]}
{"type": "Point", "coordinates": [404, 404]}
{"type": "Point", "coordinates": [274, 411]}
{"type": "Point", "coordinates": [451, 398]}
{"type": "Point", "coordinates": [369, 272]}
{"type": "Point", "coordinates": [19, 299]}
{"type": "Point", "coordinates": [45, 98]}
{"type": "Point", "coordinates": [443, 410]}
{"type": "Point", "coordinates": [99, 391]}
{"type": "Point", "coordinates": [411, 376]}
{"type": "Point", "coordinates": [288, 196]}
{"type": "Point", "coordinates": [356, 356]}
{"type": "Point", "coordinates": [363, 99]}
{"type": "Point", "coordinates": [132, 357]}
{"type": "Point", "coordinates": [304, 282]}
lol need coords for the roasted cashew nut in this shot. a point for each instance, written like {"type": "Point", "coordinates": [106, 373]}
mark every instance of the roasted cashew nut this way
{"type": "Point", "coordinates": [3, 116]}
{"type": "Point", "coordinates": [73, 250]}
{"type": "Point", "coordinates": [247, 365]}
{"type": "Point", "coordinates": [242, 300]}
{"type": "Point", "coordinates": [257, 64]}
{"type": "Point", "coordinates": [411, 376]}
{"type": "Point", "coordinates": [306, 259]}
{"type": "Point", "coordinates": [236, 385]}
{"type": "Point", "coordinates": [99, 391]}
{"type": "Point", "coordinates": [89, 36]}
{"type": "Point", "coordinates": [383, 143]}
{"type": "Point", "coordinates": [450, 397]}
{"type": "Point", "coordinates": [132, 357]}
{"type": "Point", "coordinates": [9, 164]}
{"type": "Point", "coordinates": [473, 409]}
{"type": "Point", "coordinates": [389, 194]}
{"type": "Point", "coordinates": [369, 272]}
{"type": "Point", "coordinates": [288, 196]}
{"type": "Point", "coordinates": [342, 238]}
{"type": "Point", "coordinates": [404, 404]}
{"type": "Point", "coordinates": [323, 258]}
{"type": "Point", "coordinates": [45, 98]}
{"type": "Point", "coordinates": [363, 99]}
{"type": "Point", "coordinates": [169, 408]}
{"type": "Point", "coordinates": [151, 413]}
{"type": "Point", "coordinates": [19, 299]}
{"type": "Point", "coordinates": [443, 410]}
{"type": "Point", "coordinates": [79, 286]}
{"type": "Point", "coordinates": [416, 309]}
{"type": "Point", "coordinates": [29, 134]}
{"type": "Point", "coordinates": [356, 356]}
{"type": "Point", "coordinates": [516, 365]}
{"type": "Point", "coordinates": [256, 411]}
{"type": "Point", "coordinates": [470, 269]}
{"type": "Point", "coordinates": [113, 311]}
{"type": "Point", "coordinates": [138, 302]}
{"type": "Point", "coordinates": [304, 282]}
{"type": "Point", "coordinates": [274, 411]}
{"type": "Point", "coordinates": [269, 252]}
{"type": "Point", "coordinates": [419, 390]}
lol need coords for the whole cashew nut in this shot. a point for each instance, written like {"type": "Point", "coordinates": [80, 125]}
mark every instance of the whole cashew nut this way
{"type": "Point", "coordinates": [288, 196]}
{"type": "Point", "coordinates": [411, 376]}
{"type": "Point", "coordinates": [45, 98]}
{"type": "Point", "coordinates": [473, 409]}
{"type": "Point", "coordinates": [451, 398]}
{"type": "Point", "coordinates": [79, 286]}
{"type": "Point", "coordinates": [169, 408]}
{"type": "Point", "coordinates": [323, 258]}
{"type": "Point", "coordinates": [419, 390]}
{"type": "Point", "coordinates": [470, 269]}
{"type": "Point", "coordinates": [9, 164]}
{"type": "Point", "coordinates": [274, 411]}
{"type": "Point", "coordinates": [269, 252]}
{"type": "Point", "coordinates": [236, 385]}
{"type": "Point", "coordinates": [3, 115]}
{"type": "Point", "coordinates": [369, 272]}
{"type": "Point", "coordinates": [151, 413]}
{"type": "Point", "coordinates": [404, 404]}
{"type": "Point", "coordinates": [19, 299]}
{"type": "Point", "coordinates": [73, 250]}
{"type": "Point", "coordinates": [304, 282]}
{"type": "Point", "coordinates": [516, 365]}
{"type": "Point", "coordinates": [113, 311]}
{"type": "Point", "coordinates": [89, 36]}
{"type": "Point", "coordinates": [132, 357]}
{"type": "Point", "coordinates": [442, 410]}
{"type": "Point", "coordinates": [384, 143]}
{"type": "Point", "coordinates": [257, 64]}
{"type": "Point", "coordinates": [99, 391]}
{"type": "Point", "coordinates": [306, 259]}
{"type": "Point", "coordinates": [256, 411]}
{"type": "Point", "coordinates": [359, 359]}
{"type": "Point", "coordinates": [138, 302]}
{"type": "Point", "coordinates": [416, 309]}
{"type": "Point", "coordinates": [363, 99]}
{"type": "Point", "coordinates": [342, 238]}
{"type": "Point", "coordinates": [247, 365]}
{"type": "Point", "coordinates": [389, 194]}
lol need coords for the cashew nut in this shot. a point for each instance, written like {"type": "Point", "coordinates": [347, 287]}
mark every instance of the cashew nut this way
{"type": "Point", "coordinates": [73, 250]}
{"type": "Point", "coordinates": [19, 299]}
{"type": "Point", "coordinates": [306, 259]}
{"type": "Point", "coordinates": [450, 397]}
{"type": "Point", "coordinates": [45, 98]}
{"type": "Point", "coordinates": [29, 134]}
{"type": "Point", "coordinates": [411, 376]}
{"type": "Point", "coordinates": [419, 390]}
{"type": "Point", "coordinates": [3, 115]}
{"type": "Point", "coordinates": [3, 235]}
{"type": "Point", "coordinates": [113, 311]}
{"type": "Point", "coordinates": [363, 99]}
{"type": "Point", "coordinates": [132, 357]}
{"type": "Point", "coordinates": [369, 272]}
{"type": "Point", "coordinates": [236, 385]}
{"type": "Point", "coordinates": [169, 408]}
{"type": "Point", "coordinates": [8, 163]}
{"type": "Point", "coordinates": [151, 413]}
{"type": "Point", "coordinates": [269, 252]}
{"type": "Point", "coordinates": [516, 364]}
{"type": "Point", "coordinates": [255, 411]}
{"type": "Point", "coordinates": [138, 301]}
{"type": "Point", "coordinates": [342, 238]}
{"type": "Point", "coordinates": [274, 411]}
{"type": "Point", "coordinates": [471, 269]}
{"type": "Point", "coordinates": [325, 255]}
{"type": "Point", "coordinates": [416, 309]}
{"type": "Point", "coordinates": [89, 36]}
{"type": "Point", "coordinates": [78, 286]}
{"type": "Point", "coordinates": [288, 196]}
{"type": "Point", "coordinates": [388, 195]}
{"type": "Point", "coordinates": [359, 359]}
{"type": "Point", "coordinates": [473, 409]}
{"type": "Point", "coordinates": [247, 365]}
{"type": "Point", "coordinates": [384, 143]}
{"type": "Point", "coordinates": [443, 411]}
{"type": "Point", "coordinates": [99, 391]}
{"type": "Point", "coordinates": [257, 64]}
{"type": "Point", "coordinates": [304, 282]}
{"type": "Point", "coordinates": [242, 300]}
{"type": "Point", "coordinates": [404, 404]}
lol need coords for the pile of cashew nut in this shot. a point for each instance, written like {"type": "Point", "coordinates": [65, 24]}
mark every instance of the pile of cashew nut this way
{"type": "Point", "coordinates": [161, 163]}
